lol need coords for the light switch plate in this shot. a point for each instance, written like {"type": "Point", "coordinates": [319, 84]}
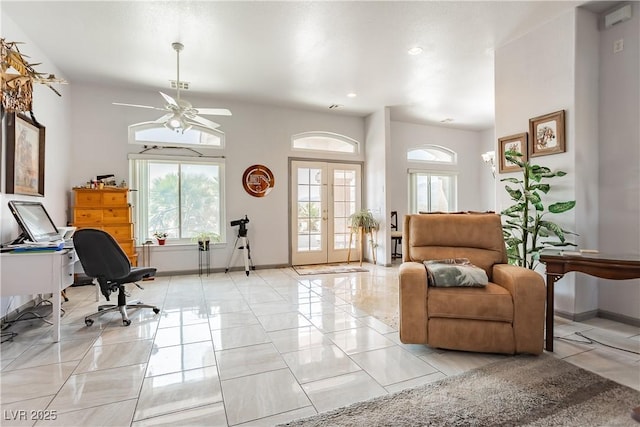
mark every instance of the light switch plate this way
{"type": "Point", "coordinates": [618, 46]}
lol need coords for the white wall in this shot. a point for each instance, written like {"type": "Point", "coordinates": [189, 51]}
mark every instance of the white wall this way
{"type": "Point", "coordinates": [377, 179]}
{"type": "Point", "coordinates": [54, 113]}
{"type": "Point", "coordinates": [619, 178]}
{"type": "Point", "coordinates": [535, 76]}
{"type": "Point", "coordinates": [586, 153]}
{"type": "Point", "coordinates": [255, 134]}
{"type": "Point", "coordinates": [568, 64]}
{"type": "Point", "coordinates": [467, 144]}
{"type": "Point", "coordinates": [488, 142]}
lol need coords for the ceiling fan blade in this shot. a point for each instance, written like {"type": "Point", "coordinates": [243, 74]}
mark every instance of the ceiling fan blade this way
{"type": "Point", "coordinates": [169, 100]}
{"type": "Point", "coordinates": [213, 111]}
{"type": "Point", "coordinates": [164, 118]}
{"type": "Point", "coordinates": [204, 122]}
{"type": "Point", "coordinates": [138, 106]}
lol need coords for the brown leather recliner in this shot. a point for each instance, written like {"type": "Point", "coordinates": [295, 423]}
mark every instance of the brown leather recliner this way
{"type": "Point", "coordinates": [506, 316]}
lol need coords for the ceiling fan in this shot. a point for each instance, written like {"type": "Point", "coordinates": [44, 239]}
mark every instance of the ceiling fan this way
{"type": "Point", "coordinates": [181, 115]}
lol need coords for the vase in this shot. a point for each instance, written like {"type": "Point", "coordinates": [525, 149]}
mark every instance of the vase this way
{"type": "Point", "coordinates": [161, 242]}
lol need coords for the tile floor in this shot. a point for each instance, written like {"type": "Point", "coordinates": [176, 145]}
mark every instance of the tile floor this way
{"type": "Point", "coordinates": [228, 349]}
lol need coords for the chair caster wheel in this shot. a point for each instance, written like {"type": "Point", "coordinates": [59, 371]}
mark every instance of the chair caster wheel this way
{"type": "Point", "coordinates": [156, 310]}
{"type": "Point", "coordinates": [126, 322]}
{"type": "Point", "coordinates": [88, 322]}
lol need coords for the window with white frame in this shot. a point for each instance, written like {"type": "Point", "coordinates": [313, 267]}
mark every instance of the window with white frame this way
{"type": "Point", "coordinates": [182, 196]}
{"type": "Point", "coordinates": [152, 133]}
{"type": "Point", "coordinates": [324, 141]}
{"type": "Point", "coordinates": [432, 191]}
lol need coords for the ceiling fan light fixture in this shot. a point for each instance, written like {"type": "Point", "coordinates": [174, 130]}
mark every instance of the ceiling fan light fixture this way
{"type": "Point", "coordinates": [174, 122]}
{"type": "Point", "coordinates": [177, 123]}
{"type": "Point", "coordinates": [180, 115]}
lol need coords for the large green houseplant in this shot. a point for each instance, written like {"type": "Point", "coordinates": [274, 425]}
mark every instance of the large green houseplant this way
{"type": "Point", "coordinates": [526, 229]}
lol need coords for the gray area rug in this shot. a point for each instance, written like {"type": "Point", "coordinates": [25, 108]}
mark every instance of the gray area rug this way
{"type": "Point", "coordinates": [307, 270]}
{"type": "Point", "coordinates": [520, 391]}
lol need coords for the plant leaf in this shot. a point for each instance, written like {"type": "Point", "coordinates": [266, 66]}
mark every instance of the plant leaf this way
{"type": "Point", "coordinates": [554, 243]}
{"type": "Point", "coordinates": [554, 228]}
{"type": "Point", "coordinates": [542, 187]}
{"type": "Point", "coordinates": [562, 206]}
{"type": "Point", "coordinates": [515, 194]}
{"type": "Point", "coordinates": [513, 180]}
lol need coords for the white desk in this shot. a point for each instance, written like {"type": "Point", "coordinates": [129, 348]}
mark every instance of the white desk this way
{"type": "Point", "coordinates": [29, 273]}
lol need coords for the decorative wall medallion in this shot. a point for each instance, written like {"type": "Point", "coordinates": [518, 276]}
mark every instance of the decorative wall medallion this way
{"type": "Point", "coordinates": [258, 180]}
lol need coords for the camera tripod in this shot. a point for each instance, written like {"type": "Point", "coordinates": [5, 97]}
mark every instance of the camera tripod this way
{"type": "Point", "coordinates": [246, 250]}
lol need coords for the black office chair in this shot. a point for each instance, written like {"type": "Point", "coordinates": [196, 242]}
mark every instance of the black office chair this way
{"type": "Point", "coordinates": [396, 236]}
{"type": "Point", "coordinates": [104, 260]}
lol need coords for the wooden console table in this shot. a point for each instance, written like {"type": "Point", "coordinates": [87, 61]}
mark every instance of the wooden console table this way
{"type": "Point", "coordinates": [593, 264]}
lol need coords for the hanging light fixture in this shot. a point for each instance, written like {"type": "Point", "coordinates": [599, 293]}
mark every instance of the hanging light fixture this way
{"type": "Point", "coordinates": [177, 123]}
{"type": "Point", "coordinates": [490, 157]}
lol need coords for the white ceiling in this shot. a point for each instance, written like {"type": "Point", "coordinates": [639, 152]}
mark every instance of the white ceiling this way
{"type": "Point", "coordinates": [296, 54]}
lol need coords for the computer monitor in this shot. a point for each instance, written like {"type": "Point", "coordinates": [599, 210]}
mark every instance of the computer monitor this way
{"type": "Point", "coordinates": [34, 221]}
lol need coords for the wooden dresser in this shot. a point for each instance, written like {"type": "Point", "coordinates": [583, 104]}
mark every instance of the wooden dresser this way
{"type": "Point", "coordinates": [106, 209]}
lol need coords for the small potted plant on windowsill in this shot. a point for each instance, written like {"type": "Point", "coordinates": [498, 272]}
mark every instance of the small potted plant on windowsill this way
{"type": "Point", "coordinates": [204, 238]}
{"type": "Point", "coordinates": [161, 236]}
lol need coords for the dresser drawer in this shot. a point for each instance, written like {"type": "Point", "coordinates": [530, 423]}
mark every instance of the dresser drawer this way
{"type": "Point", "coordinates": [114, 198]}
{"type": "Point", "coordinates": [120, 232]}
{"type": "Point", "coordinates": [86, 217]}
{"type": "Point", "coordinates": [128, 247]}
{"type": "Point", "coordinates": [99, 198]}
{"type": "Point", "coordinates": [116, 215]}
{"type": "Point", "coordinates": [88, 198]}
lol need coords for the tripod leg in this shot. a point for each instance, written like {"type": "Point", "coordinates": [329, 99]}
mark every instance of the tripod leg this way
{"type": "Point", "coordinates": [235, 245]}
{"type": "Point", "coordinates": [249, 251]}
{"type": "Point", "coordinates": [245, 246]}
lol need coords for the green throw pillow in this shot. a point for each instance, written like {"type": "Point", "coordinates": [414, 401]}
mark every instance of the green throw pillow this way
{"type": "Point", "coordinates": [455, 272]}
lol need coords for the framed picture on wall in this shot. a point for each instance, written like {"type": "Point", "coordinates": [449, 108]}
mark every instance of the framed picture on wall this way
{"type": "Point", "coordinates": [25, 156]}
{"type": "Point", "coordinates": [517, 143]}
{"type": "Point", "coordinates": [547, 134]}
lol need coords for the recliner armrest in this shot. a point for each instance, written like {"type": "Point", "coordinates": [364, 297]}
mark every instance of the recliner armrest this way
{"type": "Point", "coordinates": [413, 303]}
{"type": "Point", "coordinates": [529, 294]}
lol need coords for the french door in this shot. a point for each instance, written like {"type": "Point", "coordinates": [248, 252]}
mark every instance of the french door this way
{"type": "Point", "coordinates": [323, 197]}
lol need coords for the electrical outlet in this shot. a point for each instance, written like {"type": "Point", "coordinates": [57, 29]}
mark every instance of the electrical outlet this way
{"type": "Point", "coordinates": [618, 46]}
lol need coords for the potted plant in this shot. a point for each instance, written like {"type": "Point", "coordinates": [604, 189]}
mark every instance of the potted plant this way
{"type": "Point", "coordinates": [364, 222]}
{"type": "Point", "coordinates": [204, 238]}
{"type": "Point", "coordinates": [526, 223]}
{"type": "Point", "coordinates": [161, 236]}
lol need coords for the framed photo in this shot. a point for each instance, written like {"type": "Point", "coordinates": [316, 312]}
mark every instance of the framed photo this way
{"type": "Point", "coordinates": [517, 143]}
{"type": "Point", "coordinates": [25, 156]}
{"type": "Point", "coordinates": [547, 134]}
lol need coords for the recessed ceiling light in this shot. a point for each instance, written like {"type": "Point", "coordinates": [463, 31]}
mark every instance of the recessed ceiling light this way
{"type": "Point", "coordinates": [352, 94]}
{"type": "Point", "coordinates": [416, 50]}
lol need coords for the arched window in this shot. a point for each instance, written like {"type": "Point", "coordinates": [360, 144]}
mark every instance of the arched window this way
{"type": "Point", "coordinates": [168, 185]}
{"type": "Point", "coordinates": [324, 141]}
{"type": "Point", "coordinates": [152, 133]}
{"type": "Point", "coordinates": [432, 154]}
{"type": "Point", "coordinates": [432, 188]}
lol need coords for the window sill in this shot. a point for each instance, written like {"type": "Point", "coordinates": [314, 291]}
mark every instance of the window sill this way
{"type": "Point", "coordinates": [180, 246]}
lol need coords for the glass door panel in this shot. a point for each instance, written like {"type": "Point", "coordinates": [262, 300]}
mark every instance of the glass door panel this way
{"type": "Point", "coordinates": [323, 197]}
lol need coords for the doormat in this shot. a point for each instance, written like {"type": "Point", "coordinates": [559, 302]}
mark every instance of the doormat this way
{"type": "Point", "coordinates": [307, 270]}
